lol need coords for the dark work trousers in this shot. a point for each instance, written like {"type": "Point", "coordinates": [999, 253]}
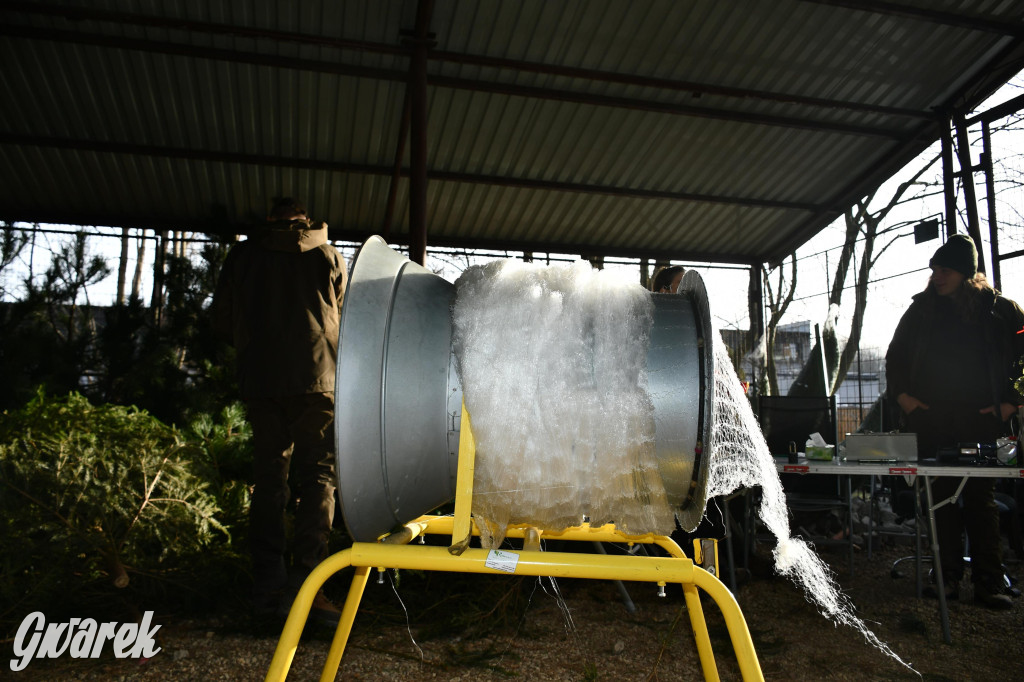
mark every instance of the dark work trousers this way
{"type": "Point", "coordinates": [946, 425]}
{"type": "Point", "coordinates": [979, 517]}
{"type": "Point", "coordinates": [294, 452]}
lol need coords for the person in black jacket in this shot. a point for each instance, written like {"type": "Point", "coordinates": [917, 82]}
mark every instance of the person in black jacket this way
{"type": "Point", "coordinates": [952, 367]}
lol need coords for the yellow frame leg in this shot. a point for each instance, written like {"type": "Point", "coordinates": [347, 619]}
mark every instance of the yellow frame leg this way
{"type": "Point", "coordinates": [391, 552]}
{"type": "Point", "coordinates": [739, 634]}
{"type": "Point", "coordinates": [700, 633]}
{"type": "Point", "coordinates": [299, 612]}
{"type": "Point", "coordinates": [462, 525]}
{"type": "Point", "coordinates": [348, 617]}
{"type": "Point", "coordinates": [364, 556]}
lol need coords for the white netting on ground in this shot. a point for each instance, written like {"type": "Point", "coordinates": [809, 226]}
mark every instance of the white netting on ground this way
{"type": "Point", "coordinates": [552, 361]}
{"type": "Point", "coordinates": [740, 458]}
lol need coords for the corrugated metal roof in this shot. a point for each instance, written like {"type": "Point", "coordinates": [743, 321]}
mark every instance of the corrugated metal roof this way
{"type": "Point", "coordinates": [728, 131]}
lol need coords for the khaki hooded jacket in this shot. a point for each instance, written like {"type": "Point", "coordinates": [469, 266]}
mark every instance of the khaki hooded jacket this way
{"type": "Point", "coordinates": [278, 302]}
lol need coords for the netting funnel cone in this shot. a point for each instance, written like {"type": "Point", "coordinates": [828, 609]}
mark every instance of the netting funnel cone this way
{"type": "Point", "coordinates": [398, 402]}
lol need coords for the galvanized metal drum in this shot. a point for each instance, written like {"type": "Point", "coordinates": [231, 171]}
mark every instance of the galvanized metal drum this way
{"type": "Point", "coordinates": [398, 399]}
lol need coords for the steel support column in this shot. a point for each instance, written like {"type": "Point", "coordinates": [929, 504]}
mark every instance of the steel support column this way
{"type": "Point", "coordinates": [755, 309]}
{"type": "Point", "coordinates": [420, 43]}
{"type": "Point", "coordinates": [990, 192]}
{"type": "Point", "coordinates": [396, 173]}
{"type": "Point", "coordinates": [159, 270]}
{"type": "Point", "coordinates": [967, 178]}
{"type": "Point", "coordinates": [948, 187]}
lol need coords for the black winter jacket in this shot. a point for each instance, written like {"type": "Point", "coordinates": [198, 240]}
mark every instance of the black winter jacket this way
{"type": "Point", "coordinates": [939, 358]}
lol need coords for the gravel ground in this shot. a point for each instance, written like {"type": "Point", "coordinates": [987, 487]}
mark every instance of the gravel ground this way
{"type": "Point", "coordinates": [464, 627]}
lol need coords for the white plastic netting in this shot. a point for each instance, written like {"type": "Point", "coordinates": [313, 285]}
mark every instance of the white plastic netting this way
{"type": "Point", "coordinates": [552, 361]}
{"type": "Point", "coordinates": [740, 458]}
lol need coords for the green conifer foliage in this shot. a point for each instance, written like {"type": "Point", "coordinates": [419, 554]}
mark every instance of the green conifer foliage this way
{"type": "Point", "coordinates": [94, 495]}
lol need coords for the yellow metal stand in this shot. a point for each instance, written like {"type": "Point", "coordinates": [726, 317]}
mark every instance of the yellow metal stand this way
{"type": "Point", "coordinates": [392, 552]}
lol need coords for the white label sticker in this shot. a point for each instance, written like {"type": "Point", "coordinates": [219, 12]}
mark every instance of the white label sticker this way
{"type": "Point", "coordinates": [502, 561]}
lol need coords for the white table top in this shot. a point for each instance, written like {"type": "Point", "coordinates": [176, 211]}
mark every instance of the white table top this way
{"type": "Point", "coordinates": [837, 467]}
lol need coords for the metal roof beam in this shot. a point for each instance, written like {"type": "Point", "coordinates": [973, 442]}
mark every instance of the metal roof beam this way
{"type": "Point", "coordinates": [697, 89]}
{"type": "Point", "coordinates": [188, 26]}
{"type": "Point", "coordinates": [100, 147]}
{"type": "Point", "coordinates": [276, 61]}
{"type": "Point", "coordinates": [559, 248]}
{"type": "Point", "coordinates": [997, 112]}
{"type": "Point", "coordinates": [665, 107]}
{"type": "Point", "coordinates": [214, 225]}
{"type": "Point", "coordinates": [935, 16]}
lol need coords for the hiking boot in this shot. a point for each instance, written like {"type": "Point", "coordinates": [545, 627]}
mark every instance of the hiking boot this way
{"type": "Point", "coordinates": [950, 584]}
{"type": "Point", "coordinates": [269, 608]}
{"type": "Point", "coordinates": [323, 612]}
{"type": "Point", "coordinates": [952, 591]}
{"type": "Point", "coordinates": [992, 595]}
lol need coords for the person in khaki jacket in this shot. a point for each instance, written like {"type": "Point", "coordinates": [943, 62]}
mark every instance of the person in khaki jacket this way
{"type": "Point", "coordinates": [278, 302]}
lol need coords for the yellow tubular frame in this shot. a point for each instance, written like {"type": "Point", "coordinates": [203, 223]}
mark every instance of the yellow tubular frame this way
{"type": "Point", "coordinates": [391, 552]}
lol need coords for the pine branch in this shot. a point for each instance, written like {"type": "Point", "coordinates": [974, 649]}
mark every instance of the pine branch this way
{"type": "Point", "coordinates": [145, 501]}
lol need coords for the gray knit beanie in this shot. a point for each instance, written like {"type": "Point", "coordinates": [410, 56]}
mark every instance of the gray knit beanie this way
{"type": "Point", "coordinates": [958, 253]}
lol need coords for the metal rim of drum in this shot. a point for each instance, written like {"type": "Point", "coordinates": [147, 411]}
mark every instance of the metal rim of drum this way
{"type": "Point", "coordinates": [397, 400]}
{"type": "Point", "coordinates": [692, 511]}
{"type": "Point", "coordinates": [680, 382]}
